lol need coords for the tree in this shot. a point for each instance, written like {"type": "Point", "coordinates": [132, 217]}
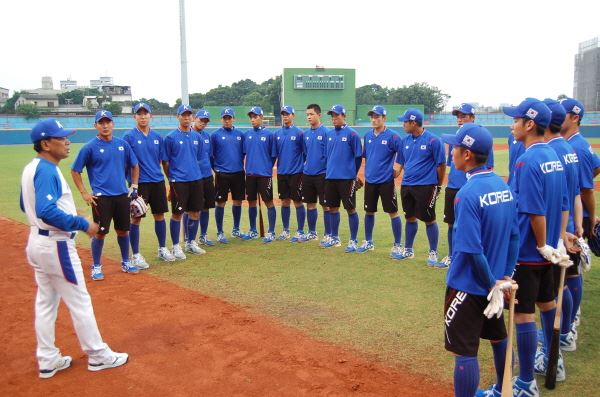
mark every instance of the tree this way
{"type": "Point", "coordinates": [9, 105]}
{"type": "Point", "coordinates": [561, 96]}
{"type": "Point", "coordinates": [113, 107]}
{"type": "Point", "coordinates": [371, 94]}
{"type": "Point", "coordinates": [29, 110]}
{"type": "Point", "coordinates": [76, 96]}
{"type": "Point", "coordinates": [430, 97]}
{"type": "Point", "coordinates": [157, 106]}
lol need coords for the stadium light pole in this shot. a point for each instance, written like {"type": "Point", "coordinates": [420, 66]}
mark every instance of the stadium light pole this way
{"type": "Point", "coordinates": [185, 97]}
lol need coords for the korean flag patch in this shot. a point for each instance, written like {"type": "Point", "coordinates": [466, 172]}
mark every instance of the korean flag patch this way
{"type": "Point", "coordinates": [121, 148]}
{"type": "Point", "coordinates": [423, 147]}
{"type": "Point", "coordinates": [195, 142]}
{"type": "Point", "coordinates": [319, 138]}
{"type": "Point", "coordinates": [156, 141]}
{"type": "Point", "coordinates": [263, 138]}
{"type": "Point", "coordinates": [206, 141]}
{"type": "Point", "coordinates": [384, 142]}
{"type": "Point", "coordinates": [293, 138]}
{"type": "Point", "coordinates": [344, 139]}
{"type": "Point", "coordinates": [239, 138]}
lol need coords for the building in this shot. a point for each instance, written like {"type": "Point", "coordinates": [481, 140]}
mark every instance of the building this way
{"type": "Point", "coordinates": [102, 81]}
{"type": "Point", "coordinates": [586, 85]}
{"type": "Point", "coordinates": [68, 84]}
{"type": "Point", "coordinates": [42, 98]}
{"type": "Point", "coordinates": [3, 95]}
{"type": "Point", "coordinates": [117, 93]}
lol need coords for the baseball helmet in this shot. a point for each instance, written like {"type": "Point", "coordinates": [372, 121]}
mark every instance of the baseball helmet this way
{"type": "Point", "coordinates": [138, 207]}
{"type": "Point", "coordinates": [594, 241]}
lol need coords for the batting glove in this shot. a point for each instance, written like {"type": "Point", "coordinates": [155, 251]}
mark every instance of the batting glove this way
{"type": "Point", "coordinates": [585, 255]}
{"type": "Point", "coordinates": [550, 254]}
{"type": "Point", "coordinates": [564, 261]}
{"type": "Point", "coordinates": [134, 192]}
{"type": "Point", "coordinates": [496, 299]}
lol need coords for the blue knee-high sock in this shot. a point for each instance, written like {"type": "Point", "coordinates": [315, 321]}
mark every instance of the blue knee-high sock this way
{"type": "Point", "coordinates": [327, 222]}
{"type": "Point", "coordinates": [369, 225]}
{"type": "Point", "coordinates": [97, 246]}
{"type": "Point", "coordinates": [353, 222]}
{"type": "Point", "coordinates": [219, 215]}
{"type": "Point", "coordinates": [204, 218]}
{"type": "Point", "coordinates": [312, 215]}
{"type": "Point", "coordinates": [272, 215]}
{"type": "Point", "coordinates": [576, 287]}
{"type": "Point", "coordinates": [301, 217]}
{"type": "Point", "coordinates": [567, 308]}
{"type": "Point", "coordinates": [192, 229]}
{"type": "Point", "coordinates": [499, 350]}
{"type": "Point", "coordinates": [466, 376]}
{"type": "Point", "coordinates": [526, 345]}
{"type": "Point", "coordinates": [285, 217]}
{"type": "Point", "coordinates": [252, 212]}
{"type": "Point", "coordinates": [175, 228]}
{"type": "Point", "coordinates": [185, 219]}
{"type": "Point", "coordinates": [134, 238]}
{"type": "Point", "coordinates": [236, 211]}
{"type": "Point", "coordinates": [397, 229]}
{"type": "Point", "coordinates": [160, 228]}
{"type": "Point", "coordinates": [547, 319]}
{"type": "Point", "coordinates": [433, 235]}
{"type": "Point", "coordinates": [449, 240]}
{"type": "Point", "coordinates": [334, 224]}
{"type": "Point", "coordinates": [411, 233]}
{"type": "Point", "coordinates": [124, 246]}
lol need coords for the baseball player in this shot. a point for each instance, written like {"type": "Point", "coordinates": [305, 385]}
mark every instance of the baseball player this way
{"type": "Point", "coordinates": [149, 148]}
{"type": "Point", "coordinates": [344, 158]}
{"type": "Point", "coordinates": [313, 178]}
{"type": "Point", "coordinates": [539, 185]}
{"type": "Point", "coordinates": [227, 144]}
{"type": "Point", "coordinates": [381, 146]}
{"type": "Point", "coordinates": [184, 148]}
{"type": "Point", "coordinates": [106, 158]}
{"type": "Point", "coordinates": [515, 150]}
{"type": "Point", "coordinates": [485, 248]}
{"type": "Point", "coordinates": [259, 145]}
{"type": "Point", "coordinates": [423, 161]}
{"type": "Point", "coordinates": [465, 114]}
{"type": "Point", "coordinates": [289, 151]}
{"type": "Point", "coordinates": [47, 201]}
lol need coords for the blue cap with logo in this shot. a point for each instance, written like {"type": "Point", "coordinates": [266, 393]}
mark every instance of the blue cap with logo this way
{"type": "Point", "coordinates": [142, 105]}
{"type": "Point", "coordinates": [287, 109]}
{"type": "Point", "coordinates": [202, 114]}
{"type": "Point", "coordinates": [471, 136]}
{"type": "Point", "coordinates": [377, 109]}
{"type": "Point", "coordinates": [337, 109]}
{"type": "Point", "coordinates": [572, 105]}
{"type": "Point", "coordinates": [103, 114]}
{"type": "Point", "coordinates": [411, 114]}
{"type": "Point", "coordinates": [464, 108]}
{"type": "Point", "coordinates": [184, 108]}
{"type": "Point", "coordinates": [227, 112]}
{"type": "Point", "coordinates": [49, 128]}
{"type": "Point", "coordinates": [532, 109]}
{"type": "Point", "coordinates": [257, 110]}
{"type": "Point", "coordinates": [558, 111]}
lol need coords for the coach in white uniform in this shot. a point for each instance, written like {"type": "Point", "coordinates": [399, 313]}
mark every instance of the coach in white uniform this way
{"type": "Point", "coordinates": [48, 203]}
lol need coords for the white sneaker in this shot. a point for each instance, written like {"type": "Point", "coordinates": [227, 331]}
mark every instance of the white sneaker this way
{"type": "Point", "coordinates": [178, 252]}
{"type": "Point", "coordinates": [352, 246]}
{"type": "Point", "coordinates": [165, 254]}
{"type": "Point", "coordinates": [139, 261]}
{"type": "Point", "coordinates": [284, 235]}
{"type": "Point", "coordinates": [63, 363]}
{"type": "Point", "coordinates": [567, 342]}
{"type": "Point", "coordinates": [193, 248]}
{"type": "Point", "coordinates": [116, 360]}
{"type": "Point", "coordinates": [432, 261]}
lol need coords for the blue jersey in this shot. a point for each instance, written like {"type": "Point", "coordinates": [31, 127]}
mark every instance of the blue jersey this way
{"type": "Point", "coordinates": [228, 150]}
{"type": "Point", "coordinates": [420, 156]}
{"type": "Point", "coordinates": [289, 150]}
{"type": "Point", "coordinates": [258, 147]}
{"type": "Point", "coordinates": [315, 149]}
{"type": "Point", "coordinates": [184, 150]}
{"type": "Point", "coordinates": [206, 156]}
{"type": "Point", "coordinates": [106, 162]}
{"type": "Point", "coordinates": [539, 185]}
{"type": "Point", "coordinates": [587, 163]}
{"type": "Point", "coordinates": [568, 158]}
{"type": "Point", "coordinates": [486, 217]}
{"type": "Point", "coordinates": [150, 151]}
{"type": "Point", "coordinates": [380, 153]}
{"type": "Point", "coordinates": [515, 150]}
{"type": "Point", "coordinates": [457, 178]}
{"type": "Point", "coordinates": [343, 147]}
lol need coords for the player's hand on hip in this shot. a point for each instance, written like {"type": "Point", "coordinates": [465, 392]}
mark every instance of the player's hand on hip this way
{"type": "Point", "coordinates": [92, 229]}
{"type": "Point", "coordinates": [88, 198]}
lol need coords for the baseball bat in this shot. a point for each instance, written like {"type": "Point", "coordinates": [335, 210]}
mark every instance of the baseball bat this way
{"type": "Point", "coordinates": [261, 223]}
{"type": "Point", "coordinates": [555, 343]}
{"type": "Point", "coordinates": [507, 389]}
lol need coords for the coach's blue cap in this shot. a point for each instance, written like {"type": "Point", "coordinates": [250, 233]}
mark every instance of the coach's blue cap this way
{"type": "Point", "coordinates": [49, 128]}
{"type": "Point", "coordinates": [227, 112]}
{"type": "Point", "coordinates": [142, 105]}
{"type": "Point", "coordinates": [572, 105]}
{"type": "Point", "coordinates": [558, 111]}
{"type": "Point", "coordinates": [532, 109]}
{"type": "Point", "coordinates": [464, 108]}
{"type": "Point", "coordinates": [337, 109]}
{"type": "Point", "coordinates": [184, 108]}
{"type": "Point", "coordinates": [287, 109]}
{"type": "Point", "coordinates": [471, 136]}
{"type": "Point", "coordinates": [377, 109]}
{"type": "Point", "coordinates": [257, 110]}
{"type": "Point", "coordinates": [103, 114]}
{"type": "Point", "coordinates": [202, 114]}
{"type": "Point", "coordinates": [411, 114]}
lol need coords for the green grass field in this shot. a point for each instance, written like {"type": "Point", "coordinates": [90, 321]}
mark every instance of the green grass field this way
{"type": "Point", "coordinates": [379, 307]}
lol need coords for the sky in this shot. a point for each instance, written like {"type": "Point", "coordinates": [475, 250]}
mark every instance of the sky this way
{"type": "Point", "coordinates": [489, 52]}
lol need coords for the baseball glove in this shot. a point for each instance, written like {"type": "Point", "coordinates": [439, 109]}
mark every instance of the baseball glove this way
{"type": "Point", "coordinates": [594, 241]}
{"type": "Point", "coordinates": [359, 184]}
{"type": "Point", "coordinates": [138, 207]}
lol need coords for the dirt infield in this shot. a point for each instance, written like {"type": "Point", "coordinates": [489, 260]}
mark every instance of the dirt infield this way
{"type": "Point", "coordinates": [180, 342]}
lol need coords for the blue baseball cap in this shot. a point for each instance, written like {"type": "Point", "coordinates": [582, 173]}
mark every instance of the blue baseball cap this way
{"type": "Point", "coordinates": [184, 108]}
{"type": "Point", "coordinates": [572, 105]}
{"type": "Point", "coordinates": [287, 109]}
{"type": "Point", "coordinates": [464, 108]}
{"type": "Point", "coordinates": [532, 109]}
{"type": "Point", "coordinates": [227, 112]}
{"type": "Point", "coordinates": [202, 114]}
{"type": "Point", "coordinates": [142, 105]}
{"type": "Point", "coordinates": [377, 109]}
{"type": "Point", "coordinates": [49, 128]}
{"type": "Point", "coordinates": [411, 114]}
{"type": "Point", "coordinates": [257, 110]}
{"type": "Point", "coordinates": [471, 136]}
{"type": "Point", "coordinates": [103, 114]}
{"type": "Point", "coordinates": [558, 111]}
{"type": "Point", "coordinates": [337, 109]}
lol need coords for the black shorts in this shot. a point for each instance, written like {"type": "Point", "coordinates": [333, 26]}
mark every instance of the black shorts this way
{"type": "Point", "coordinates": [343, 190]}
{"type": "Point", "coordinates": [465, 323]}
{"type": "Point", "coordinates": [419, 201]}
{"type": "Point", "coordinates": [230, 182]}
{"type": "Point", "coordinates": [154, 194]}
{"type": "Point", "coordinates": [536, 284]}
{"type": "Point", "coordinates": [208, 190]}
{"type": "Point", "coordinates": [115, 208]}
{"type": "Point", "coordinates": [586, 227]}
{"type": "Point", "coordinates": [187, 196]}
{"type": "Point", "coordinates": [572, 271]}
{"type": "Point", "coordinates": [449, 205]}
{"type": "Point", "coordinates": [262, 185]}
{"type": "Point", "coordinates": [313, 188]}
{"type": "Point", "coordinates": [289, 186]}
{"type": "Point", "coordinates": [387, 192]}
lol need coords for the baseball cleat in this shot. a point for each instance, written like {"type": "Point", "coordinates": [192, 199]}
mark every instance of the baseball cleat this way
{"type": "Point", "coordinates": [446, 262]}
{"type": "Point", "coordinates": [406, 253]}
{"type": "Point", "coordinates": [284, 235]}
{"type": "Point", "coordinates": [97, 274]}
{"type": "Point", "coordinates": [541, 365]}
{"type": "Point", "coordinates": [203, 240]}
{"type": "Point", "coordinates": [221, 238]}
{"type": "Point", "coordinates": [116, 360]}
{"type": "Point", "coordinates": [432, 260]}
{"type": "Point", "coordinates": [178, 252]}
{"type": "Point", "coordinates": [235, 233]}
{"type": "Point", "coordinates": [165, 255]}
{"type": "Point", "coordinates": [365, 246]}
{"type": "Point", "coordinates": [251, 235]}
{"type": "Point", "coordinates": [574, 331]}
{"type": "Point", "coordinates": [269, 237]}
{"type": "Point", "coordinates": [298, 237]}
{"type": "Point", "coordinates": [567, 342]}
{"type": "Point", "coordinates": [310, 236]}
{"type": "Point", "coordinates": [333, 242]}
{"type": "Point", "coordinates": [525, 389]}
{"type": "Point", "coordinates": [139, 261]}
{"type": "Point", "coordinates": [397, 251]}
{"type": "Point", "coordinates": [127, 267]}
{"type": "Point", "coordinates": [63, 363]}
{"type": "Point", "coordinates": [577, 320]}
{"type": "Point", "coordinates": [193, 248]}
{"type": "Point", "coordinates": [325, 240]}
{"type": "Point", "coordinates": [351, 247]}
{"type": "Point", "coordinates": [491, 392]}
